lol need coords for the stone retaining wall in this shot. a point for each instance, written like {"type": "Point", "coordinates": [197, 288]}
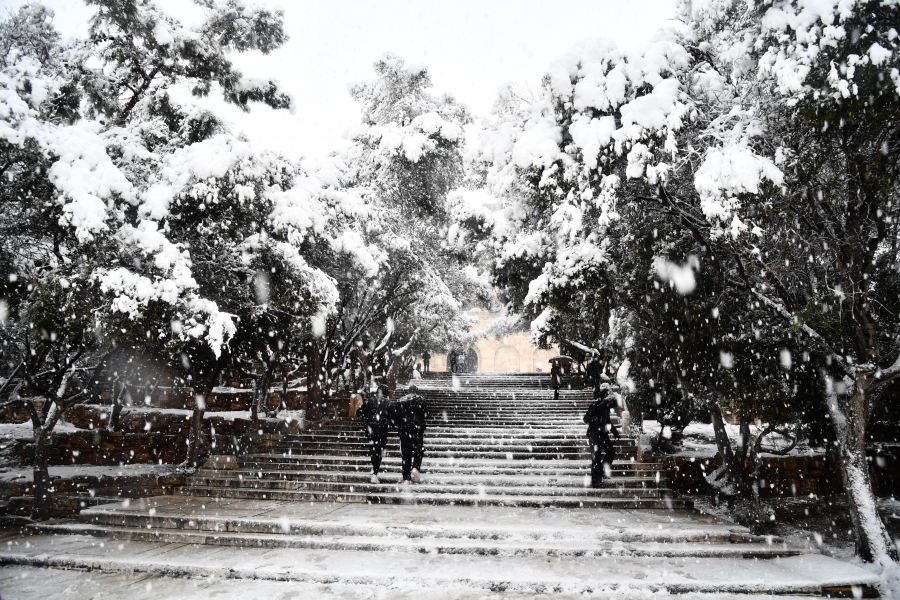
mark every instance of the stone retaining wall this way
{"type": "Point", "coordinates": [101, 447]}
{"type": "Point", "coordinates": [783, 476]}
{"type": "Point", "coordinates": [77, 492]}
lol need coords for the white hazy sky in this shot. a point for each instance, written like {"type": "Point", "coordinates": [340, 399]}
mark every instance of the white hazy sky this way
{"type": "Point", "coordinates": [471, 47]}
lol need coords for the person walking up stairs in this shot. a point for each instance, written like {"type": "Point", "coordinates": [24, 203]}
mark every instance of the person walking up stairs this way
{"type": "Point", "coordinates": [375, 413]}
{"type": "Point", "coordinates": [409, 415]}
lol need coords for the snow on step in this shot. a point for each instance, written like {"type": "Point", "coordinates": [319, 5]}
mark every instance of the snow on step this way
{"type": "Point", "coordinates": [514, 549]}
{"type": "Point", "coordinates": [808, 573]}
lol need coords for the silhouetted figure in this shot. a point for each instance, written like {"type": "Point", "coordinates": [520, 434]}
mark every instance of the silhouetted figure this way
{"type": "Point", "coordinates": [451, 361]}
{"type": "Point", "coordinates": [592, 370]}
{"type": "Point", "coordinates": [375, 412]}
{"type": "Point", "coordinates": [426, 361]}
{"type": "Point", "coordinates": [462, 363]}
{"type": "Point", "coordinates": [554, 380]}
{"type": "Point", "coordinates": [409, 414]}
{"type": "Point", "coordinates": [599, 426]}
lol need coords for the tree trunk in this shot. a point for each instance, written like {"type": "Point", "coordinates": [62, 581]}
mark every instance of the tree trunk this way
{"type": "Point", "coordinates": [393, 372]}
{"type": "Point", "coordinates": [254, 405]}
{"type": "Point", "coordinates": [315, 402]}
{"type": "Point", "coordinates": [195, 436]}
{"type": "Point", "coordinates": [116, 411]}
{"type": "Point", "coordinates": [43, 494]}
{"type": "Point", "coordinates": [261, 397]}
{"type": "Point", "coordinates": [850, 419]}
{"type": "Point", "coordinates": [732, 468]}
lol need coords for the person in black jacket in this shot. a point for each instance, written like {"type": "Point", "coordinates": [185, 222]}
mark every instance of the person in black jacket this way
{"type": "Point", "coordinates": [592, 370]}
{"type": "Point", "coordinates": [599, 426]}
{"type": "Point", "coordinates": [375, 413]}
{"type": "Point", "coordinates": [409, 414]}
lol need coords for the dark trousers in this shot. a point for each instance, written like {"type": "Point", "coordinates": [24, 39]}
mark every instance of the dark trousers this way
{"type": "Point", "coordinates": [425, 369]}
{"type": "Point", "coordinates": [412, 449]}
{"type": "Point", "coordinates": [376, 450]}
{"type": "Point", "coordinates": [602, 451]}
{"type": "Point", "coordinates": [556, 393]}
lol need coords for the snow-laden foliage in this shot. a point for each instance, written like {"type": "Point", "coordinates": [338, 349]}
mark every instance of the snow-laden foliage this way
{"type": "Point", "coordinates": [400, 291]}
{"type": "Point", "coordinates": [134, 220]}
{"type": "Point", "coordinates": [729, 190]}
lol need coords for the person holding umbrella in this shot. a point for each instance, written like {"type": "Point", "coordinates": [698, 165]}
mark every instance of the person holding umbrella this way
{"type": "Point", "coordinates": [554, 379]}
{"type": "Point", "coordinates": [556, 371]}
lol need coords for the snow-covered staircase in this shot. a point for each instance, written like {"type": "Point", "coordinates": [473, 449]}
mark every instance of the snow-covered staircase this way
{"type": "Point", "coordinates": [503, 511]}
{"type": "Point", "coordinates": [435, 552]}
{"type": "Point", "coordinates": [491, 440]}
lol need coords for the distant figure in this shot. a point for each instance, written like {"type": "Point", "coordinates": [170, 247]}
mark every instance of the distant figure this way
{"type": "Point", "coordinates": [451, 361]}
{"type": "Point", "coordinates": [375, 413]}
{"type": "Point", "coordinates": [462, 363]}
{"type": "Point", "coordinates": [554, 380]}
{"type": "Point", "coordinates": [592, 370]}
{"type": "Point", "coordinates": [409, 414]}
{"type": "Point", "coordinates": [599, 425]}
{"type": "Point", "coordinates": [426, 360]}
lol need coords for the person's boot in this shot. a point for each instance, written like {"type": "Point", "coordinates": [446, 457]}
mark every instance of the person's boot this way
{"type": "Point", "coordinates": [416, 476]}
{"type": "Point", "coordinates": [374, 479]}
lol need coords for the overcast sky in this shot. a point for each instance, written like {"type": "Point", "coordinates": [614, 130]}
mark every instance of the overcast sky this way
{"type": "Point", "coordinates": [471, 47]}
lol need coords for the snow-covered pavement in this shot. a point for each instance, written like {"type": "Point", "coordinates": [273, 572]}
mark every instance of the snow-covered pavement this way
{"type": "Point", "coordinates": [27, 583]}
{"type": "Point", "coordinates": [360, 549]}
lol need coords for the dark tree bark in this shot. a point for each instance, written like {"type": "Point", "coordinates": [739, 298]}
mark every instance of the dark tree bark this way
{"type": "Point", "coordinates": [850, 418]}
{"type": "Point", "coordinates": [315, 399]}
{"type": "Point", "coordinates": [195, 436]}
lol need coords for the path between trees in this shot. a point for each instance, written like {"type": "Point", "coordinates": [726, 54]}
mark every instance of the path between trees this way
{"type": "Point", "coordinates": [413, 542]}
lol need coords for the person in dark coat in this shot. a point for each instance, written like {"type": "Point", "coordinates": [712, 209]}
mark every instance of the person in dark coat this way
{"type": "Point", "coordinates": [592, 370]}
{"type": "Point", "coordinates": [375, 413]}
{"type": "Point", "coordinates": [426, 361]}
{"type": "Point", "coordinates": [408, 415]}
{"type": "Point", "coordinates": [451, 361]}
{"type": "Point", "coordinates": [599, 426]}
{"type": "Point", "coordinates": [554, 379]}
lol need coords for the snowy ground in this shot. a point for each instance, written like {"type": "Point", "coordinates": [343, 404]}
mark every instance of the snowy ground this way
{"type": "Point", "coordinates": [67, 471]}
{"type": "Point", "coordinates": [649, 554]}
{"type": "Point", "coordinates": [28, 583]}
{"type": "Point", "coordinates": [24, 430]}
{"type": "Point", "coordinates": [700, 440]}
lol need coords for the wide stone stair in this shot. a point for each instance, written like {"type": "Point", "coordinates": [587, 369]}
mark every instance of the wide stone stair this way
{"type": "Point", "coordinates": [503, 512]}
{"type": "Point", "coordinates": [491, 440]}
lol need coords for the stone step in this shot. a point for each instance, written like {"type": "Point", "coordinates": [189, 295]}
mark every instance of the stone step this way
{"type": "Point", "coordinates": [486, 421]}
{"type": "Point", "coordinates": [575, 429]}
{"type": "Point", "coordinates": [458, 447]}
{"type": "Point", "coordinates": [420, 574]}
{"type": "Point", "coordinates": [611, 491]}
{"type": "Point", "coordinates": [432, 464]}
{"type": "Point", "coordinates": [476, 454]}
{"type": "Point", "coordinates": [491, 524]}
{"type": "Point", "coordinates": [149, 530]}
{"type": "Point", "coordinates": [578, 481]}
{"type": "Point", "coordinates": [458, 436]}
{"type": "Point", "coordinates": [437, 499]}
